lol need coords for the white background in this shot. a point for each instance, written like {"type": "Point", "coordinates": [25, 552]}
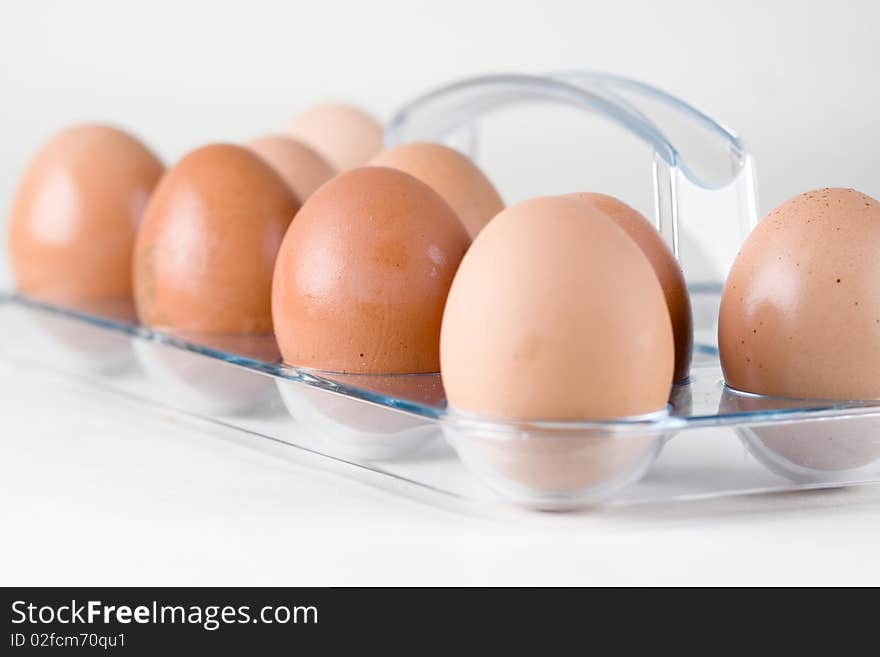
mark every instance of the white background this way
{"type": "Point", "coordinates": [797, 80]}
{"type": "Point", "coordinates": [172, 504]}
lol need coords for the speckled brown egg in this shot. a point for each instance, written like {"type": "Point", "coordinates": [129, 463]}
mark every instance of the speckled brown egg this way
{"type": "Point", "coordinates": [451, 174]}
{"type": "Point", "coordinates": [800, 312]}
{"type": "Point", "coordinates": [206, 248]}
{"type": "Point", "coordinates": [346, 136]}
{"type": "Point", "coordinates": [75, 212]}
{"type": "Point", "coordinates": [665, 266]}
{"type": "Point", "coordinates": [363, 273]}
{"type": "Point", "coordinates": [299, 165]}
{"type": "Point", "coordinates": [556, 314]}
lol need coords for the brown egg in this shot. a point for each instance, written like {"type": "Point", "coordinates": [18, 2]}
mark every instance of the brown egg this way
{"type": "Point", "coordinates": [800, 312]}
{"type": "Point", "coordinates": [556, 314]}
{"type": "Point", "coordinates": [800, 318]}
{"type": "Point", "coordinates": [300, 166]}
{"type": "Point", "coordinates": [452, 175]}
{"type": "Point", "coordinates": [206, 248]}
{"type": "Point", "coordinates": [346, 136]}
{"type": "Point", "coordinates": [665, 266]}
{"type": "Point", "coordinates": [363, 274]}
{"type": "Point", "coordinates": [75, 212]}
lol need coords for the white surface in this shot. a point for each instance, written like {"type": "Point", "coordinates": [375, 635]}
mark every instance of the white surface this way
{"type": "Point", "coordinates": [97, 491]}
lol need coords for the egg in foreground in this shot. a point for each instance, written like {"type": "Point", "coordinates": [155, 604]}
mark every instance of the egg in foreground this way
{"type": "Point", "coordinates": [800, 319]}
{"type": "Point", "coordinates": [556, 314]}
{"type": "Point", "coordinates": [800, 312]}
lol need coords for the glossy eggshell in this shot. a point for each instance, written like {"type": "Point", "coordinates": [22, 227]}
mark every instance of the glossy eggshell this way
{"type": "Point", "coordinates": [346, 136]}
{"type": "Point", "coordinates": [299, 165]}
{"type": "Point", "coordinates": [556, 314]}
{"type": "Point", "coordinates": [665, 266]}
{"type": "Point", "coordinates": [452, 175]}
{"type": "Point", "coordinates": [206, 248]}
{"type": "Point", "coordinates": [363, 274]}
{"type": "Point", "coordinates": [800, 312]}
{"type": "Point", "coordinates": [75, 213]}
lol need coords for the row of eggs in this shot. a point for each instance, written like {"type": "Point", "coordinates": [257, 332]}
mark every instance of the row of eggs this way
{"type": "Point", "coordinates": [405, 260]}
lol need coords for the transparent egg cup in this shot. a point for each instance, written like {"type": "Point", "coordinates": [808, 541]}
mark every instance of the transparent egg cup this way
{"type": "Point", "coordinates": [710, 441]}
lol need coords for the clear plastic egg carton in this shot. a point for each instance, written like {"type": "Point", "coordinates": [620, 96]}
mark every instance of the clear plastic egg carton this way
{"type": "Point", "coordinates": [711, 441]}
